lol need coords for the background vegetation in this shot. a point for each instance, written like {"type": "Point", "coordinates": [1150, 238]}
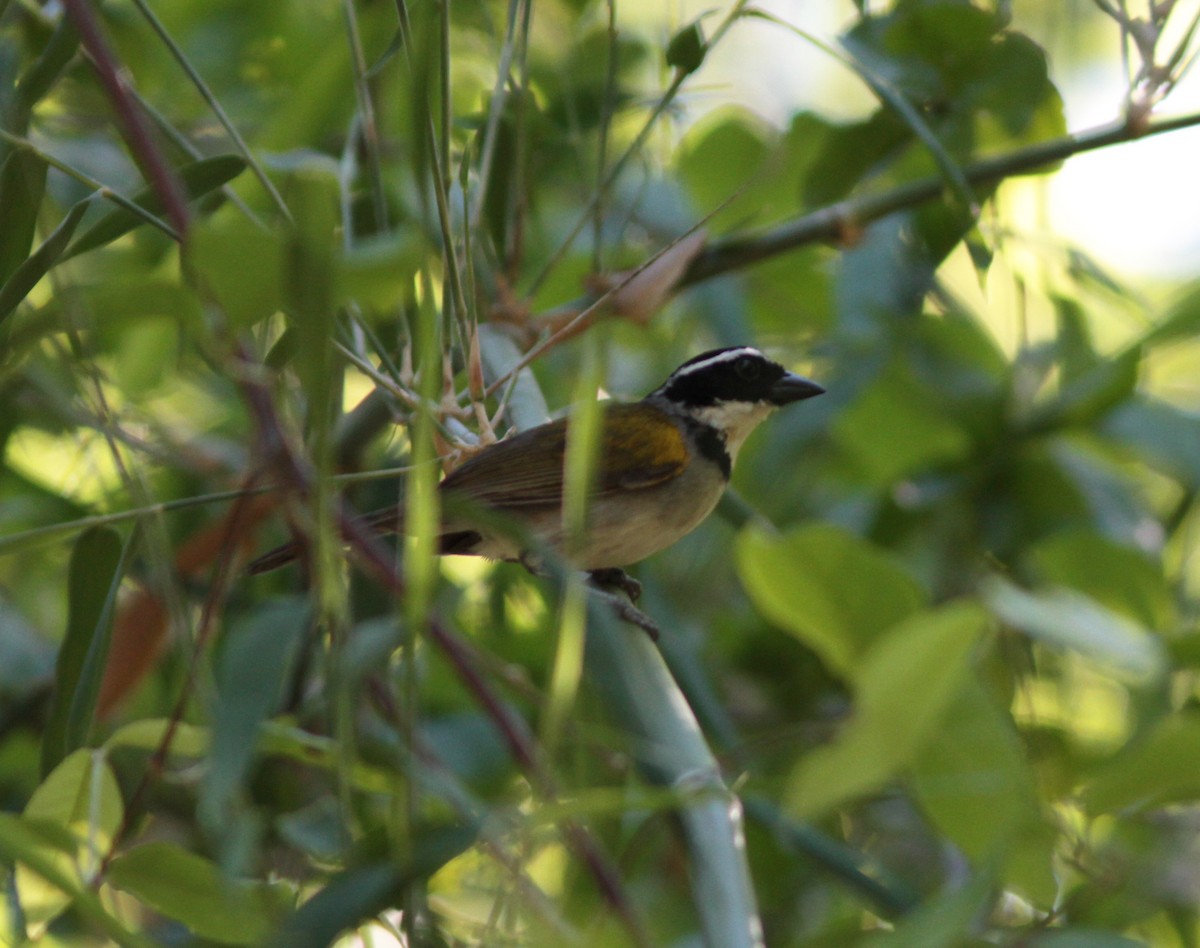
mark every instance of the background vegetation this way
{"type": "Point", "coordinates": [928, 679]}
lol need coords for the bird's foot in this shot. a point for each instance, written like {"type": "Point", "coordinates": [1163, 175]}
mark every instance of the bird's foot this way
{"type": "Point", "coordinates": [610, 583]}
{"type": "Point", "coordinates": [614, 578]}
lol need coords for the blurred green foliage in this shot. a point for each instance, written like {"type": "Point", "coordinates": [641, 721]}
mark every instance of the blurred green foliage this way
{"type": "Point", "coordinates": [942, 640]}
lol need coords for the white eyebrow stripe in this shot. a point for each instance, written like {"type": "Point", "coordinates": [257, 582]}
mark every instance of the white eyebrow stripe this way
{"type": "Point", "coordinates": [728, 355]}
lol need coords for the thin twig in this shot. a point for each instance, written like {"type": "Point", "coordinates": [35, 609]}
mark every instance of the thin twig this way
{"type": "Point", "coordinates": [138, 134]}
{"type": "Point", "coordinates": [214, 104]}
{"type": "Point", "coordinates": [834, 222]}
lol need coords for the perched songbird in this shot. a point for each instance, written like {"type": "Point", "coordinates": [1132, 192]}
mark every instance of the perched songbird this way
{"type": "Point", "coordinates": [663, 463]}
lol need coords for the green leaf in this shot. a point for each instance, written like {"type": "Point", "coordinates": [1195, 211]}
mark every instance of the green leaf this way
{"type": "Point", "coordinates": [979, 790]}
{"type": "Point", "coordinates": [945, 920]}
{"type": "Point", "coordinates": [188, 740]}
{"type": "Point", "coordinates": [1093, 394]}
{"type": "Point", "coordinates": [1068, 620]}
{"type": "Point", "coordinates": [377, 273]}
{"type": "Point", "coordinates": [198, 179]}
{"type": "Point", "coordinates": [358, 894]}
{"type": "Point", "coordinates": [252, 669]}
{"type": "Point", "coordinates": [50, 65]}
{"type": "Point", "coordinates": [1081, 938]}
{"type": "Point", "coordinates": [1118, 577]}
{"type": "Point", "coordinates": [34, 847]}
{"type": "Point", "coordinates": [97, 565]}
{"type": "Point", "coordinates": [902, 689]}
{"type": "Point", "coordinates": [80, 796]}
{"type": "Point", "coordinates": [895, 429]}
{"type": "Point", "coordinates": [1163, 766]}
{"type": "Point", "coordinates": [219, 255]}
{"type": "Point", "coordinates": [22, 183]}
{"type": "Point", "coordinates": [26, 276]}
{"type": "Point", "coordinates": [1162, 435]}
{"type": "Point", "coordinates": [1181, 321]}
{"type": "Point", "coordinates": [310, 263]}
{"type": "Point", "coordinates": [715, 158]}
{"type": "Point", "coordinates": [687, 48]}
{"type": "Point", "coordinates": [834, 591]}
{"type": "Point", "coordinates": [192, 890]}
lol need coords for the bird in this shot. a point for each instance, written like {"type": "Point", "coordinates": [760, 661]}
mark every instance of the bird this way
{"type": "Point", "coordinates": [663, 464]}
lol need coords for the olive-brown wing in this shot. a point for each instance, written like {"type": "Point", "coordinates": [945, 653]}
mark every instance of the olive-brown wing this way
{"type": "Point", "coordinates": [642, 446]}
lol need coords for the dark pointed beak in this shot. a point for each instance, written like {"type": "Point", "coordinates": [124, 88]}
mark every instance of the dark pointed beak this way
{"type": "Point", "coordinates": [794, 388]}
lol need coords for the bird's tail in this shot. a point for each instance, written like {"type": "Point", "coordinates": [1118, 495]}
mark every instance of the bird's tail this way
{"type": "Point", "coordinates": [383, 521]}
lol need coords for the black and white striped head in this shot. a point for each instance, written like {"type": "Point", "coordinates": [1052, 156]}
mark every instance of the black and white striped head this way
{"type": "Point", "coordinates": [740, 374]}
{"type": "Point", "coordinates": [732, 390]}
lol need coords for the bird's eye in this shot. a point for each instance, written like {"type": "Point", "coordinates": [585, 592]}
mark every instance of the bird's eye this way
{"type": "Point", "coordinates": [747, 368]}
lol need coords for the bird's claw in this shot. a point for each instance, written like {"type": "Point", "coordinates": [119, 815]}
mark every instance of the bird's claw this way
{"type": "Point", "coordinates": [614, 578]}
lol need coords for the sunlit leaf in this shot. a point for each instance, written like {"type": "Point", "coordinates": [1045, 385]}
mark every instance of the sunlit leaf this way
{"type": "Point", "coordinates": [1117, 577]}
{"type": "Point", "coordinates": [904, 685]}
{"type": "Point", "coordinates": [976, 785]}
{"type": "Point", "coordinates": [239, 264]}
{"type": "Point", "coordinates": [192, 890]}
{"type": "Point", "coordinates": [81, 797]}
{"type": "Point", "coordinates": [1071, 621]}
{"type": "Point", "coordinates": [1163, 766]}
{"type": "Point", "coordinates": [813, 582]}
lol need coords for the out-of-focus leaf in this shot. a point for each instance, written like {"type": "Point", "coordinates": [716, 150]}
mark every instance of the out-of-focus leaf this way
{"type": "Point", "coordinates": [1076, 355]}
{"type": "Point", "coordinates": [26, 276]}
{"type": "Point", "coordinates": [687, 48]}
{"type": "Point", "coordinates": [358, 894]}
{"type": "Point", "coordinates": [902, 688]}
{"type": "Point", "coordinates": [944, 921]}
{"type": "Point", "coordinates": [274, 738]}
{"type": "Point", "coordinates": [240, 264]}
{"type": "Point", "coordinates": [711, 154]}
{"type": "Point", "coordinates": [1161, 767]}
{"type": "Point", "coordinates": [55, 56]}
{"type": "Point", "coordinates": [251, 671]}
{"type": "Point", "coordinates": [35, 846]}
{"type": "Point", "coordinates": [377, 274]}
{"type": "Point", "coordinates": [894, 428]}
{"type": "Point", "coordinates": [1069, 620]}
{"type": "Point", "coordinates": [22, 183]}
{"type": "Point", "coordinates": [198, 178]}
{"type": "Point", "coordinates": [1163, 435]}
{"type": "Point", "coordinates": [814, 582]}
{"type": "Point", "coordinates": [1013, 85]}
{"type": "Point", "coordinates": [976, 785]}
{"type": "Point", "coordinates": [849, 154]}
{"type": "Point", "coordinates": [120, 305]}
{"type": "Point", "coordinates": [310, 260]}
{"type": "Point", "coordinates": [1117, 577]}
{"type": "Point", "coordinates": [1082, 938]}
{"type": "Point", "coordinates": [80, 796]}
{"type": "Point", "coordinates": [93, 582]}
{"type": "Point", "coordinates": [192, 890]}
{"type": "Point", "coordinates": [1091, 395]}
{"type": "Point", "coordinates": [1182, 321]}
{"type": "Point", "coordinates": [189, 740]}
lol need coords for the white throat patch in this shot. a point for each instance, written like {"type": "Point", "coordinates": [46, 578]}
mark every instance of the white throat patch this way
{"type": "Point", "coordinates": [735, 420]}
